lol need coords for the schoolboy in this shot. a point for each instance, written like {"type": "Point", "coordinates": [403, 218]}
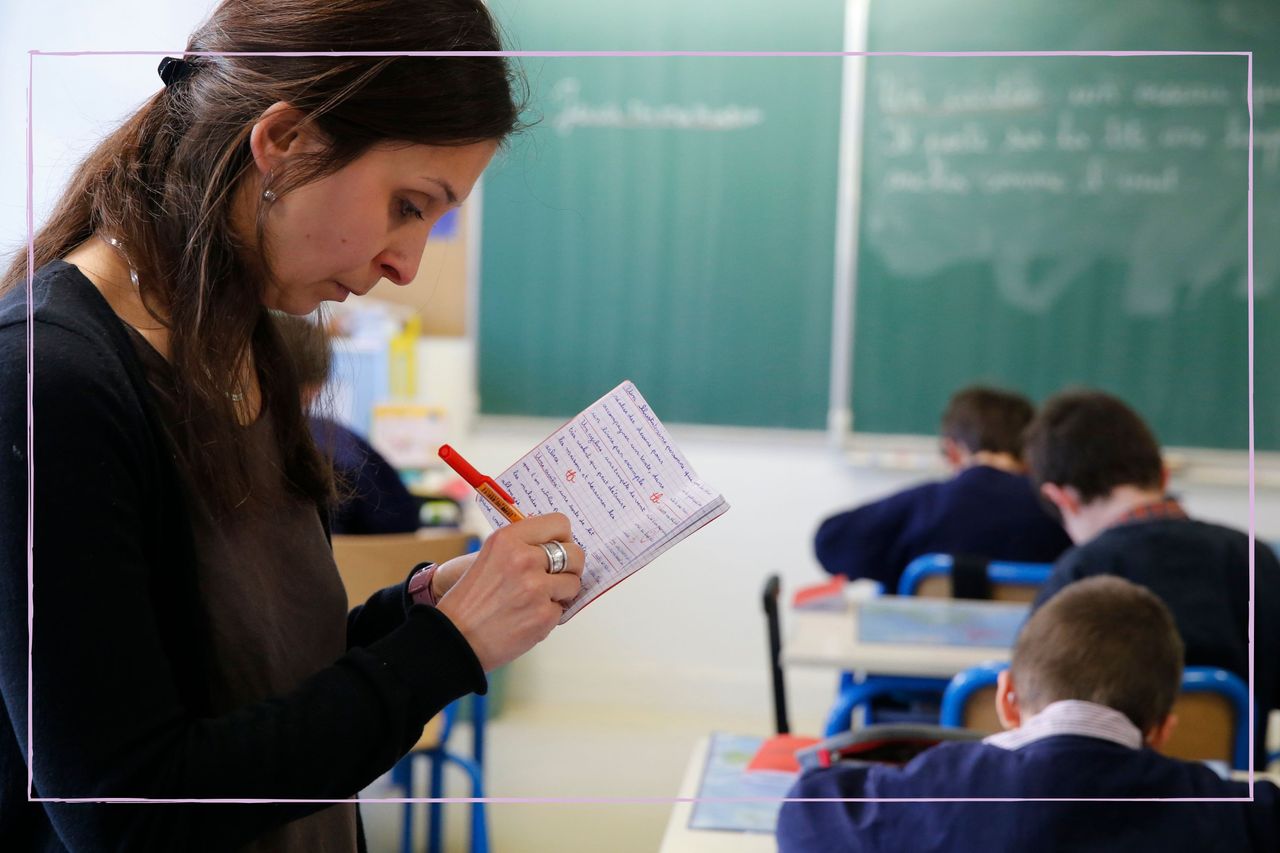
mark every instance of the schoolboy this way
{"type": "Point", "coordinates": [371, 497]}
{"type": "Point", "coordinates": [1095, 459]}
{"type": "Point", "coordinates": [1085, 702]}
{"type": "Point", "coordinates": [988, 509]}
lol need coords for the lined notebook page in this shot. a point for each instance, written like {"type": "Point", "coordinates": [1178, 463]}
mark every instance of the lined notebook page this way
{"type": "Point", "coordinates": [628, 491]}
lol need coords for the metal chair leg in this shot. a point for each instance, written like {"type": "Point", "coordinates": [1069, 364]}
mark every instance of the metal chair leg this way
{"type": "Point", "coordinates": [402, 775]}
{"type": "Point", "coordinates": [435, 811]}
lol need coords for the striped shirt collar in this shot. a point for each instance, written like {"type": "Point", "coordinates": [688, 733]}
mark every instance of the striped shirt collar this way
{"type": "Point", "coordinates": [1165, 508]}
{"type": "Point", "coordinates": [1072, 717]}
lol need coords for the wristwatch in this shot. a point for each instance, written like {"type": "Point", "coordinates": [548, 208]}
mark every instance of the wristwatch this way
{"type": "Point", "coordinates": [419, 587]}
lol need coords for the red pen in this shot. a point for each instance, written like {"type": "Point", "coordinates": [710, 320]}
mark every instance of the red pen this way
{"type": "Point", "coordinates": [486, 486]}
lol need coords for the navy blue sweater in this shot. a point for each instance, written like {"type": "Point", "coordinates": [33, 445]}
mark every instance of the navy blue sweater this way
{"type": "Point", "coordinates": [1201, 571]}
{"type": "Point", "coordinates": [1067, 766]}
{"type": "Point", "coordinates": [373, 498]}
{"type": "Point", "coordinates": [982, 511]}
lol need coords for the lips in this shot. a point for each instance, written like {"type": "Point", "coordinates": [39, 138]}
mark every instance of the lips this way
{"type": "Point", "coordinates": [348, 289]}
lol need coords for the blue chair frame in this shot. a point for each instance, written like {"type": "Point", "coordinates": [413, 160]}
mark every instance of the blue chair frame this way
{"type": "Point", "coordinates": [1195, 679]}
{"type": "Point", "coordinates": [402, 775]}
{"type": "Point", "coordinates": [962, 687]}
{"type": "Point", "coordinates": [999, 571]}
{"type": "Point", "coordinates": [851, 693]}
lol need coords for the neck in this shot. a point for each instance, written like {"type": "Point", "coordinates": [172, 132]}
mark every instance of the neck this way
{"type": "Point", "coordinates": [1003, 461]}
{"type": "Point", "coordinates": [108, 271]}
{"type": "Point", "coordinates": [1098, 515]}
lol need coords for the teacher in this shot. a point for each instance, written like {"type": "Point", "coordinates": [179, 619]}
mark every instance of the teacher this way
{"type": "Point", "coordinates": [190, 638]}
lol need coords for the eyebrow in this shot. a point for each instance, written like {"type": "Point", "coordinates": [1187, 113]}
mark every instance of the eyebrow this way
{"type": "Point", "coordinates": [444, 185]}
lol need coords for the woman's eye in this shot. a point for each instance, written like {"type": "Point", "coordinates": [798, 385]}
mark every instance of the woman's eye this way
{"type": "Point", "coordinates": [408, 208]}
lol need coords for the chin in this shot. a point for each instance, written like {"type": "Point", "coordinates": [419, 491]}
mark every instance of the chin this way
{"type": "Point", "coordinates": [295, 299]}
{"type": "Point", "coordinates": [296, 310]}
{"type": "Point", "coordinates": [297, 305]}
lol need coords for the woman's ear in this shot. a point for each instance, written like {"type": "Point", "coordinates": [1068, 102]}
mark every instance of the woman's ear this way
{"type": "Point", "coordinates": [1007, 701]}
{"type": "Point", "coordinates": [279, 133]}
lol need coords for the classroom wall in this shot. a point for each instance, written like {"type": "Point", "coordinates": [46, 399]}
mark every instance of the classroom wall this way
{"type": "Point", "coordinates": [71, 94]}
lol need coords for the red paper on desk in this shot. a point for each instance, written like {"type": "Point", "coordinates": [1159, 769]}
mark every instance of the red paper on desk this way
{"type": "Point", "coordinates": [779, 753]}
{"type": "Point", "coordinates": [821, 596]}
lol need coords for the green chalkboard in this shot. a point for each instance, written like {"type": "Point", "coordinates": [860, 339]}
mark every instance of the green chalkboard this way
{"type": "Point", "coordinates": [670, 220]}
{"type": "Point", "coordinates": [1042, 222]}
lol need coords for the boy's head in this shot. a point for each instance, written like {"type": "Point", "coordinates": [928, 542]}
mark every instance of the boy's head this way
{"type": "Point", "coordinates": [1103, 640]}
{"type": "Point", "coordinates": [1092, 442]}
{"type": "Point", "coordinates": [984, 420]}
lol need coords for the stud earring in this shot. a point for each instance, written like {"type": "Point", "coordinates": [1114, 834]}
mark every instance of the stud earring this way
{"type": "Point", "coordinates": [269, 195]}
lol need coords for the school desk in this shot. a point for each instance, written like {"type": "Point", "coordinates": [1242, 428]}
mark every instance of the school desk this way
{"type": "Point", "coordinates": [934, 638]}
{"type": "Point", "coordinates": [899, 643]}
{"type": "Point", "coordinates": [680, 838]}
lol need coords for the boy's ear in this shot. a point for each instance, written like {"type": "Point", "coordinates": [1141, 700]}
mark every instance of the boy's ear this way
{"type": "Point", "coordinates": [1007, 701]}
{"type": "Point", "coordinates": [1065, 498]}
{"type": "Point", "coordinates": [281, 132]}
{"type": "Point", "coordinates": [953, 452]}
{"type": "Point", "coordinates": [1160, 733]}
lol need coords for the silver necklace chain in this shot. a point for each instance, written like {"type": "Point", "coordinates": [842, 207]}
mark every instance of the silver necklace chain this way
{"type": "Point", "coordinates": [119, 247]}
{"type": "Point", "coordinates": [235, 396]}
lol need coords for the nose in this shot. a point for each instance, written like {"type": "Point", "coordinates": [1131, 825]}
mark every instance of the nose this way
{"type": "Point", "coordinates": [399, 262]}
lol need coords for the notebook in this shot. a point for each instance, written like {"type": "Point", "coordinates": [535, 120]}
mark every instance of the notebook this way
{"type": "Point", "coordinates": [732, 798]}
{"type": "Point", "coordinates": [628, 491]}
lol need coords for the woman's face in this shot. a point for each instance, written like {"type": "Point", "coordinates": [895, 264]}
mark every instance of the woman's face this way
{"type": "Point", "coordinates": [368, 221]}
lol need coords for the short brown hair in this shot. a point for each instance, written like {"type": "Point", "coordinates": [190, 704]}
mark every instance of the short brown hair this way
{"type": "Point", "coordinates": [990, 419]}
{"type": "Point", "coordinates": [1093, 442]}
{"type": "Point", "coordinates": [1105, 640]}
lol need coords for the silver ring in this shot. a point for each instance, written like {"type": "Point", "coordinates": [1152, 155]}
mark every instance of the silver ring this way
{"type": "Point", "coordinates": [557, 557]}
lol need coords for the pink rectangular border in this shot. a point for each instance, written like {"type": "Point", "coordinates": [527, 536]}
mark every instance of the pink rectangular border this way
{"type": "Point", "coordinates": [634, 54]}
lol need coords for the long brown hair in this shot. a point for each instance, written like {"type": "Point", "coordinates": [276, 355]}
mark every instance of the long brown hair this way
{"type": "Point", "coordinates": [163, 184]}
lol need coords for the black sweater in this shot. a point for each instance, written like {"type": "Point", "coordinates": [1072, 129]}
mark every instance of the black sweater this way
{"type": "Point", "coordinates": [1201, 571]}
{"type": "Point", "coordinates": [119, 705]}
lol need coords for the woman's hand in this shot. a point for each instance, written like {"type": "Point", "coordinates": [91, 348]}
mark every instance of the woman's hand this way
{"type": "Point", "coordinates": [503, 600]}
{"type": "Point", "coordinates": [449, 572]}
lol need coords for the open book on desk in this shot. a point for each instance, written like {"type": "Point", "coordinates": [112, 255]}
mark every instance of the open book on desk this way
{"type": "Point", "coordinates": [627, 489]}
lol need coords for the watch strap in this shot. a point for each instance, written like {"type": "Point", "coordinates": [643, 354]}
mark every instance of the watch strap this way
{"type": "Point", "coordinates": [419, 587]}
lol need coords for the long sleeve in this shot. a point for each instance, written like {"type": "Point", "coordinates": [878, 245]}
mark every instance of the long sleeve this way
{"type": "Point", "coordinates": [866, 542]}
{"type": "Point", "coordinates": [385, 611]}
{"type": "Point", "coordinates": [113, 713]}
